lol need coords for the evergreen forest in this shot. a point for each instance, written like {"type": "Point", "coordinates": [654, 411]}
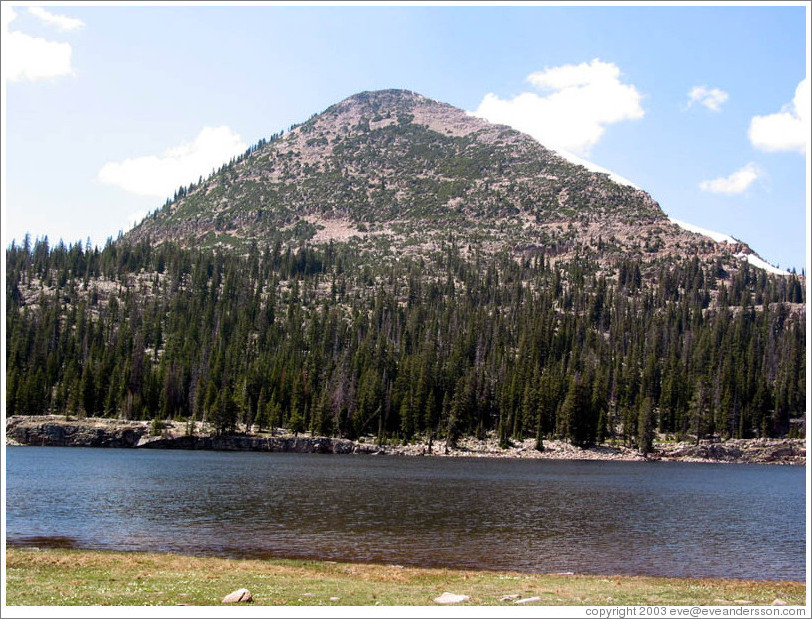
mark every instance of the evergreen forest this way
{"type": "Point", "coordinates": [456, 342]}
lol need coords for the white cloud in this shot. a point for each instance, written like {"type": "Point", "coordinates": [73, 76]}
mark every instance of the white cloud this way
{"type": "Point", "coordinates": [711, 98]}
{"type": "Point", "coordinates": [736, 183]}
{"type": "Point", "coordinates": [785, 130]}
{"type": "Point", "coordinates": [582, 100]}
{"type": "Point", "coordinates": [159, 176]}
{"type": "Point", "coordinates": [60, 21]}
{"type": "Point", "coordinates": [32, 58]}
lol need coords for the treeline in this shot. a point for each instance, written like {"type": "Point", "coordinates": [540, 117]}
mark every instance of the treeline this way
{"type": "Point", "coordinates": [326, 340]}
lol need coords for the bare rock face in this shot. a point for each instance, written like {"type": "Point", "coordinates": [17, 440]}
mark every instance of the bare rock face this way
{"type": "Point", "coordinates": [240, 595]}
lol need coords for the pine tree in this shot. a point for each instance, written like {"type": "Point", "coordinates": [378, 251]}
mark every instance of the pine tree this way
{"type": "Point", "coordinates": [577, 413]}
{"type": "Point", "coordinates": [646, 427]}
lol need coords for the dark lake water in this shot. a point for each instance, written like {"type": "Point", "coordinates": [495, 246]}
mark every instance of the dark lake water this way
{"type": "Point", "coordinates": [664, 519]}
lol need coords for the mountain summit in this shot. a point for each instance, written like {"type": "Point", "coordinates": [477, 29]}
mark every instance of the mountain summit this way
{"type": "Point", "coordinates": [394, 166]}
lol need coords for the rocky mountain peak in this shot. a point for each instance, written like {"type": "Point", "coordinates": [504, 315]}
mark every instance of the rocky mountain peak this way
{"type": "Point", "coordinates": [396, 170]}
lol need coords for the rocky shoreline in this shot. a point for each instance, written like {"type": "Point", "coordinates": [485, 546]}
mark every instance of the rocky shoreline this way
{"type": "Point", "coordinates": [55, 430]}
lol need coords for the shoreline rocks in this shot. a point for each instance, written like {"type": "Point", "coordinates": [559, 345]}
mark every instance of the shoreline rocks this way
{"type": "Point", "coordinates": [235, 442]}
{"type": "Point", "coordinates": [57, 431]}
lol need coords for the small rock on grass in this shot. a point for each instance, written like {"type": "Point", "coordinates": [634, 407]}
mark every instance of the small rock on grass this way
{"type": "Point", "coordinates": [779, 602]}
{"type": "Point", "coordinates": [528, 600]}
{"type": "Point", "coordinates": [240, 595]}
{"type": "Point", "coordinates": [451, 598]}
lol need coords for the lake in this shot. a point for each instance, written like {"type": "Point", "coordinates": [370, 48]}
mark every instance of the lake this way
{"type": "Point", "coordinates": [635, 518]}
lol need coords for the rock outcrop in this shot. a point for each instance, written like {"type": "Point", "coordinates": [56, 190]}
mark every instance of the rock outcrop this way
{"type": "Point", "coordinates": [48, 431]}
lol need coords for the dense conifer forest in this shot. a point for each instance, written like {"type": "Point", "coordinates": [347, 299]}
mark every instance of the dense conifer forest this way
{"type": "Point", "coordinates": [448, 344]}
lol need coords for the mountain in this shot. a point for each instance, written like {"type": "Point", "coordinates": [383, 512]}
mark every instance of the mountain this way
{"type": "Point", "coordinates": [397, 270]}
{"type": "Point", "coordinates": [393, 168]}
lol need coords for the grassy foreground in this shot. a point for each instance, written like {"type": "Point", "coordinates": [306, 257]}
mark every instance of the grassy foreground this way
{"type": "Point", "coordinates": [59, 577]}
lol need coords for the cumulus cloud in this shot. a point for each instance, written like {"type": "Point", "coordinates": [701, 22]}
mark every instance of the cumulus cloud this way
{"type": "Point", "coordinates": [159, 176]}
{"type": "Point", "coordinates": [785, 130]}
{"type": "Point", "coordinates": [577, 104]}
{"type": "Point", "coordinates": [736, 183]}
{"type": "Point", "coordinates": [711, 98]}
{"type": "Point", "coordinates": [32, 58]}
{"type": "Point", "coordinates": [60, 21]}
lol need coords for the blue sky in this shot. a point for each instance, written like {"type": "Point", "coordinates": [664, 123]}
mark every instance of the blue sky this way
{"type": "Point", "coordinates": [108, 108]}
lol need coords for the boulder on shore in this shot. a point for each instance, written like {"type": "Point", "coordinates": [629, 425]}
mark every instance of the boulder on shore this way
{"type": "Point", "coordinates": [451, 598]}
{"type": "Point", "coordinates": [240, 595]}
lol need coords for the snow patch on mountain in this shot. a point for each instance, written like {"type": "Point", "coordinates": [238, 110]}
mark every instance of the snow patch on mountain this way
{"type": "Point", "coordinates": [719, 237]}
{"type": "Point", "coordinates": [762, 264]}
{"type": "Point", "coordinates": [716, 236]}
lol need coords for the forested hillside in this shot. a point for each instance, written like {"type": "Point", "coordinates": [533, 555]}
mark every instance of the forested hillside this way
{"type": "Point", "coordinates": [446, 343]}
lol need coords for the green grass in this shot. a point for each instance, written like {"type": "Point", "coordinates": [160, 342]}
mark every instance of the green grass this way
{"type": "Point", "coordinates": [65, 577]}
